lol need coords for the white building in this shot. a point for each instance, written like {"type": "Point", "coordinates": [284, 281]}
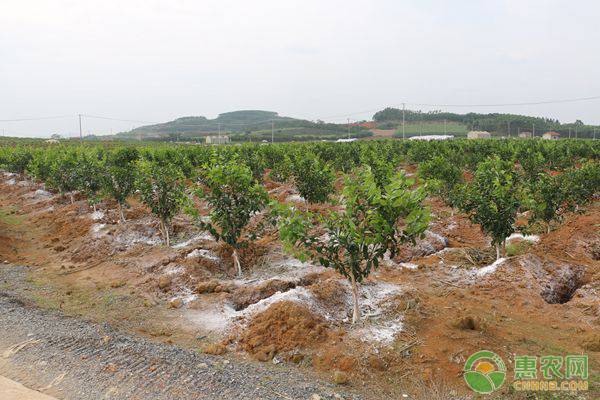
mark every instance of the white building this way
{"type": "Point", "coordinates": [223, 139]}
{"type": "Point", "coordinates": [551, 136]}
{"type": "Point", "coordinates": [479, 135]}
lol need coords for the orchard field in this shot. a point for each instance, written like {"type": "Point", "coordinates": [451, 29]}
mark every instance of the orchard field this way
{"type": "Point", "coordinates": [380, 265]}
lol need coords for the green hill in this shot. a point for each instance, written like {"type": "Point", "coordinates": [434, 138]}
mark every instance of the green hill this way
{"type": "Point", "coordinates": [242, 125]}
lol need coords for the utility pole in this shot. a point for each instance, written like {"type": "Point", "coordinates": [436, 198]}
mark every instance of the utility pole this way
{"type": "Point", "coordinates": [80, 130]}
{"type": "Point", "coordinates": [403, 132]}
{"type": "Point", "coordinates": [272, 131]}
{"type": "Point", "coordinates": [348, 128]}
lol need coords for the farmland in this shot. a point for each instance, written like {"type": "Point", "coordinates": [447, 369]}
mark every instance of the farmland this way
{"type": "Point", "coordinates": [377, 265]}
{"type": "Point", "coordinates": [433, 128]}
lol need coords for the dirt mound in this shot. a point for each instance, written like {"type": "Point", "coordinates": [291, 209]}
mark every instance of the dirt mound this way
{"type": "Point", "coordinates": [331, 293]}
{"type": "Point", "coordinates": [249, 255]}
{"type": "Point", "coordinates": [283, 327]}
{"type": "Point", "coordinates": [562, 284]}
{"type": "Point", "coordinates": [247, 295]}
{"type": "Point", "coordinates": [431, 243]}
{"type": "Point", "coordinates": [554, 281]}
{"type": "Point", "coordinates": [577, 238]}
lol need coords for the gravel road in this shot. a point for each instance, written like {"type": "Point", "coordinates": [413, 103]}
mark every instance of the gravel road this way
{"type": "Point", "coordinates": [74, 359]}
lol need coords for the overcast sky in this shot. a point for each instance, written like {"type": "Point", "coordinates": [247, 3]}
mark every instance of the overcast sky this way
{"type": "Point", "coordinates": [154, 60]}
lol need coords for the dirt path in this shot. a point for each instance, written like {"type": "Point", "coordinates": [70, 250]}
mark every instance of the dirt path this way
{"type": "Point", "coordinates": [72, 359]}
{"type": "Point", "coordinates": [11, 390]}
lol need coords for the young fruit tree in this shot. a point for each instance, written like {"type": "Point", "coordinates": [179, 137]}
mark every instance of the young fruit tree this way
{"type": "Point", "coordinates": [89, 176]}
{"type": "Point", "coordinates": [233, 197]}
{"type": "Point", "coordinates": [491, 199]}
{"type": "Point", "coordinates": [63, 174]}
{"type": "Point", "coordinates": [583, 183]}
{"type": "Point", "coordinates": [313, 178]}
{"type": "Point", "coordinates": [162, 189]}
{"type": "Point", "coordinates": [383, 169]}
{"type": "Point", "coordinates": [442, 177]}
{"type": "Point", "coordinates": [549, 198]}
{"type": "Point", "coordinates": [372, 221]}
{"type": "Point", "coordinates": [119, 176]}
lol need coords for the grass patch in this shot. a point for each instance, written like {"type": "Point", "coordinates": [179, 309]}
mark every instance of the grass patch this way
{"type": "Point", "coordinates": [8, 217]}
{"type": "Point", "coordinates": [517, 248]}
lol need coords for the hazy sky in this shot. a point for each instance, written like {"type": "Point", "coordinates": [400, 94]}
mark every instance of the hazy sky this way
{"type": "Point", "coordinates": [158, 60]}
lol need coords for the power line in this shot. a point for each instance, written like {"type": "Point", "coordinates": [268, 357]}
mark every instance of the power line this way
{"type": "Point", "coordinates": [283, 119]}
{"type": "Point", "coordinates": [559, 101]}
{"type": "Point", "coordinates": [36, 118]}
{"type": "Point", "coordinates": [510, 104]}
{"type": "Point", "coordinates": [119, 119]}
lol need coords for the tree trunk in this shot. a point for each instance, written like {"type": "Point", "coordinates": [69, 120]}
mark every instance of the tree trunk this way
{"type": "Point", "coordinates": [504, 248]}
{"type": "Point", "coordinates": [497, 251]}
{"type": "Point", "coordinates": [356, 309]}
{"type": "Point", "coordinates": [165, 232]}
{"type": "Point", "coordinates": [121, 215]}
{"type": "Point", "coordinates": [236, 263]}
{"type": "Point", "coordinates": [548, 228]}
{"type": "Point", "coordinates": [94, 205]}
{"type": "Point", "coordinates": [71, 197]}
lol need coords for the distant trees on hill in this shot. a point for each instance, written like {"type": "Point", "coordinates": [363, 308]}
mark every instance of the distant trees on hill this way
{"type": "Point", "coordinates": [493, 122]}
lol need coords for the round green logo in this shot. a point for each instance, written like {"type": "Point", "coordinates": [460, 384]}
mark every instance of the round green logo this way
{"type": "Point", "coordinates": [484, 372]}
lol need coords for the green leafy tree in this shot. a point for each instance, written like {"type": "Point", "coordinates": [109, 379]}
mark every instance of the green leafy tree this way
{"type": "Point", "coordinates": [63, 172]}
{"type": "Point", "coordinates": [39, 165]}
{"type": "Point", "coordinates": [282, 169]}
{"type": "Point", "coordinates": [442, 177]}
{"type": "Point", "coordinates": [492, 199]}
{"type": "Point", "coordinates": [373, 221]}
{"type": "Point", "coordinates": [531, 160]}
{"type": "Point", "coordinates": [313, 178]}
{"type": "Point", "coordinates": [233, 197]}
{"type": "Point", "coordinates": [17, 159]}
{"type": "Point", "coordinates": [162, 189]}
{"type": "Point", "coordinates": [119, 175]}
{"type": "Point", "coordinates": [582, 183]}
{"type": "Point", "coordinates": [89, 174]}
{"type": "Point", "coordinates": [382, 169]}
{"type": "Point", "coordinates": [549, 198]}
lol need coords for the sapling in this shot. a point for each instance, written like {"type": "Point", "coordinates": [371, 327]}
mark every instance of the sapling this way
{"type": "Point", "coordinates": [162, 189]}
{"type": "Point", "coordinates": [549, 197]}
{"type": "Point", "coordinates": [491, 199]}
{"type": "Point", "coordinates": [442, 177]}
{"type": "Point", "coordinates": [119, 175]}
{"type": "Point", "coordinates": [371, 222]}
{"type": "Point", "coordinates": [313, 178]}
{"type": "Point", "coordinates": [233, 197]}
{"type": "Point", "coordinates": [89, 176]}
{"type": "Point", "coordinates": [63, 174]}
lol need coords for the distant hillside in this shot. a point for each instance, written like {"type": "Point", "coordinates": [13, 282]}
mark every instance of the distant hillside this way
{"type": "Point", "coordinates": [432, 122]}
{"type": "Point", "coordinates": [241, 125]}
